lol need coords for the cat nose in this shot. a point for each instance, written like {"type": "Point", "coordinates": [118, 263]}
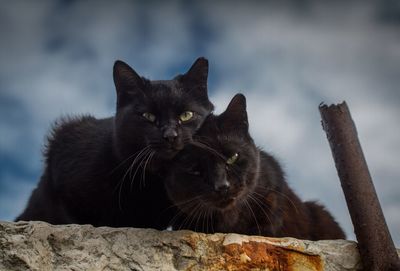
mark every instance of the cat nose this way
{"type": "Point", "coordinates": [222, 186]}
{"type": "Point", "coordinates": [170, 134]}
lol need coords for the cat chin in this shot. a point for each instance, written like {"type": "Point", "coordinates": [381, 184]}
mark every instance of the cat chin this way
{"type": "Point", "coordinates": [225, 204]}
{"type": "Point", "coordinates": [169, 151]}
{"type": "Point", "coordinates": [166, 154]}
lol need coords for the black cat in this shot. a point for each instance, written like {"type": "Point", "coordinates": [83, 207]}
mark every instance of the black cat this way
{"type": "Point", "coordinates": [222, 182]}
{"type": "Point", "coordinates": [105, 172]}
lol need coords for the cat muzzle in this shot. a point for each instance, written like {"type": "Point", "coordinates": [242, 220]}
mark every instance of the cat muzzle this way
{"type": "Point", "coordinates": [222, 187]}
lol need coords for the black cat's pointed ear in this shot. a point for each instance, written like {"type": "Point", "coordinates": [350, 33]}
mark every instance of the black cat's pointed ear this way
{"type": "Point", "coordinates": [125, 78]}
{"type": "Point", "coordinates": [235, 115]}
{"type": "Point", "coordinates": [198, 73]}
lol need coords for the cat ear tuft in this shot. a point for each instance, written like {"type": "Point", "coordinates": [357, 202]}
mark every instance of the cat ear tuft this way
{"type": "Point", "coordinates": [235, 114]}
{"type": "Point", "coordinates": [125, 78]}
{"type": "Point", "coordinates": [198, 72]}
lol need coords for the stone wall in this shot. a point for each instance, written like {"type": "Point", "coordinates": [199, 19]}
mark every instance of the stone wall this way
{"type": "Point", "coordinates": [41, 246]}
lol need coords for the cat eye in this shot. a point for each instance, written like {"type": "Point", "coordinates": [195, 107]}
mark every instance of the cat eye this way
{"type": "Point", "coordinates": [185, 116]}
{"type": "Point", "coordinates": [150, 117]}
{"type": "Point", "coordinates": [231, 160]}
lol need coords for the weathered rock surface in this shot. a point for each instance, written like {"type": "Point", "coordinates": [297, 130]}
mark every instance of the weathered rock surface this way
{"type": "Point", "coordinates": [41, 246]}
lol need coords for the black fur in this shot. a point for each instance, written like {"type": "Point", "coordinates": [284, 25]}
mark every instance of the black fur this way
{"type": "Point", "coordinates": [248, 196]}
{"type": "Point", "coordinates": [106, 172]}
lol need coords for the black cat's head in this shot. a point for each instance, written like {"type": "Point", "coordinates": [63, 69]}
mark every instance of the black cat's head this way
{"type": "Point", "coordinates": [220, 167]}
{"type": "Point", "coordinates": [161, 115]}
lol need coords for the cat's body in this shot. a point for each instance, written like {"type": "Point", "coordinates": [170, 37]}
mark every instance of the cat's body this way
{"type": "Point", "coordinates": [223, 183]}
{"type": "Point", "coordinates": [106, 172]}
{"type": "Point", "coordinates": [82, 181]}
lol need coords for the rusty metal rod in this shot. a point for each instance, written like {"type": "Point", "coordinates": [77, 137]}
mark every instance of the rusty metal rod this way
{"type": "Point", "coordinates": [376, 246]}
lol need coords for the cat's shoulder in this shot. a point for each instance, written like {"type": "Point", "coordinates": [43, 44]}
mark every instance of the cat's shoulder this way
{"type": "Point", "coordinates": [327, 227]}
{"type": "Point", "coordinates": [75, 131]}
{"type": "Point", "coordinates": [269, 161]}
{"type": "Point", "coordinates": [75, 126]}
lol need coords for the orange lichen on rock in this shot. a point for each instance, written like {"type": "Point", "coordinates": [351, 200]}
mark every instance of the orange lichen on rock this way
{"type": "Point", "coordinates": [263, 256]}
{"type": "Point", "coordinates": [234, 252]}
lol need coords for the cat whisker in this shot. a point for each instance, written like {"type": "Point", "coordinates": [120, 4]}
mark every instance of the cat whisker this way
{"type": "Point", "coordinates": [143, 159]}
{"type": "Point", "coordinates": [205, 221]}
{"type": "Point", "coordinates": [126, 172]}
{"type": "Point", "coordinates": [157, 145]}
{"type": "Point", "coordinates": [206, 218]}
{"type": "Point", "coordinates": [281, 210]}
{"type": "Point", "coordinates": [199, 215]}
{"type": "Point", "coordinates": [123, 162]}
{"type": "Point", "coordinates": [260, 198]}
{"type": "Point", "coordinates": [141, 166]}
{"type": "Point", "coordinates": [254, 216]}
{"type": "Point", "coordinates": [182, 203]}
{"type": "Point", "coordinates": [283, 195]}
{"type": "Point", "coordinates": [121, 182]}
{"type": "Point", "coordinates": [189, 215]}
{"type": "Point", "coordinates": [150, 156]}
{"type": "Point", "coordinates": [257, 201]}
{"type": "Point", "coordinates": [212, 223]}
{"type": "Point", "coordinates": [207, 148]}
{"type": "Point", "coordinates": [182, 207]}
{"type": "Point", "coordinates": [139, 156]}
{"type": "Point", "coordinates": [172, 221]}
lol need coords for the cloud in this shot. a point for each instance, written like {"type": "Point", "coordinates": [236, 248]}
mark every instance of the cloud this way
{"type": "Point", "coordinates": [14, 195]}
{"type": "Point", "coordinates": [62, 63]}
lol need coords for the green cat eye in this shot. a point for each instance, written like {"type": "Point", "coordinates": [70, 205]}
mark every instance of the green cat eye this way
{"type": "Point", "coordinates": [150, 117]}
{"type": "Point", "coordinates": [185, 116]}
{"type": "Point", "coordinates": [232, 159]}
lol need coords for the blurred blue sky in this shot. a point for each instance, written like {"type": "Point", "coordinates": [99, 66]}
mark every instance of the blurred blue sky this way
{"type": "Point", "coordinates": [56, 59]}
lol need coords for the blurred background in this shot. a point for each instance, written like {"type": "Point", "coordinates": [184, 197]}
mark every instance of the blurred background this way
{"type": "Point", "coordinates": [56, 59]}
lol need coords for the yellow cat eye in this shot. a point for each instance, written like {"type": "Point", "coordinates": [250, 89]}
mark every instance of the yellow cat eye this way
{"type": "Point", "coordinates": [185, 116]}
{"type": "Point", "coordinates": [232, 159]}
{"type": "Point", "coordinates": [150, 117]}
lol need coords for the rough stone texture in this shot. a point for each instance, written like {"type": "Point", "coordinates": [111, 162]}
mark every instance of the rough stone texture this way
{"type": "Point", "coordinates": [41, 246]}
